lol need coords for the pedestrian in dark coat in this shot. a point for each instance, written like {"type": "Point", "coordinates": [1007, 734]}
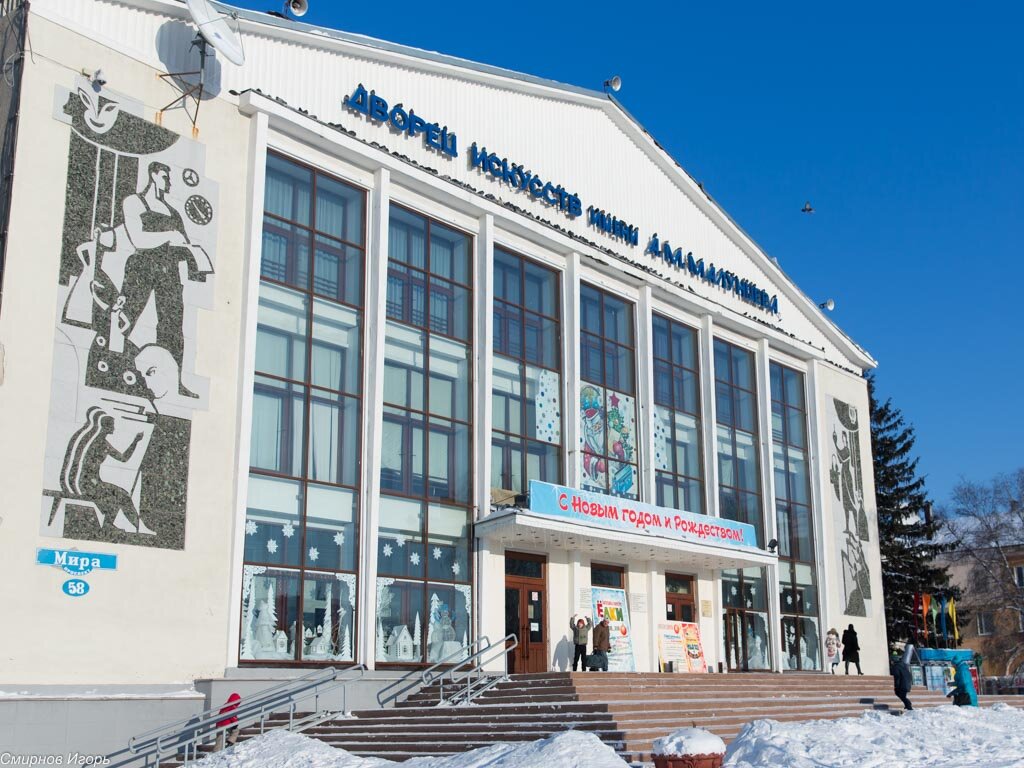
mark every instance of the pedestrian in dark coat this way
{"type": "Point", "coordinates": [851, 649]}
{"type": "Point", "coordinates": [900, 679]}
{"type": "Point", "coordinates": [602, 644]}
{"type": "Point", "coordinates": [580, 633]}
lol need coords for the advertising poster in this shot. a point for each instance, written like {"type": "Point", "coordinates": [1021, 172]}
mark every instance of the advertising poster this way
{"type": "Point", "coordinates": [611, 604]}
{"type": "Point", "coordinates": [679, 643]}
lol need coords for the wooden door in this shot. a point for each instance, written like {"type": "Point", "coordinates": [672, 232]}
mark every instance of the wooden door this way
{"type": "Point", "coordinates": [525, 609]}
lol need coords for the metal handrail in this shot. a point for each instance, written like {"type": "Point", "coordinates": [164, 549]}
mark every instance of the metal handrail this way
{"type": "Point", "coordinates": [407, 682]}
{"type": "Point", "coordinates": [245, 703]}
{"type": "Point", "coordinates": [476, 679]}
{"type": "Point", "coordinates": [185, 736]}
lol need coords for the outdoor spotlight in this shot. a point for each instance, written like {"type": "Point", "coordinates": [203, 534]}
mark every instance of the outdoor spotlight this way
{"type": "Point", "coordinates": [828, 305]}
{"type": "Point", "coordinates": [615, 82]}
{"type": "Point", "coordinates": [772, 545]}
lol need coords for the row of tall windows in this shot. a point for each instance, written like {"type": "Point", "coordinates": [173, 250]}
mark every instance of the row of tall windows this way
{"type": "Point", "coordinates": [302, 526]}
{"type": "Point", "coordinates": [801, 639]}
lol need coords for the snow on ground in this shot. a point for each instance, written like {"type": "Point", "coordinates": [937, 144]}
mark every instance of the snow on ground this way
{"type": "Point", "coordinates": [280, 749]}
{"type": "Point", "coordinates": [943, 737]}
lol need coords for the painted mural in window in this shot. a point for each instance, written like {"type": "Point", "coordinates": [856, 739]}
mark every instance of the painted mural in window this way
{"type": "Point", "coordinates": [527, 389]}
{"type": "Point", "coordinates": [302, 516]}
{"type": "Point", "coordinates": [608, 394]}
{"type": "Point", "coordinates": [677, 428]}
{"type": "Point", "coordinates": [424, 529]}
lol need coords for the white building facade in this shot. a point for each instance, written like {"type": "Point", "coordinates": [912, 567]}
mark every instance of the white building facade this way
{"type": "Point", "coordinates": [391, 353]}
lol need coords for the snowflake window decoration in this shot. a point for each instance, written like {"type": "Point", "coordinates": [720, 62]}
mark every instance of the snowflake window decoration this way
{"type": "Point", "coordinates": [414, 558]}
{"type": "Point", "coordinates": [250, 527]}
{"type": "Point", "coordinates": [272, 546]}
{"type": "Point", "coordinates": [339, 538]}
{"type": "Point", "coordinates": [387, 550]}
{"type": "Point", "coordinates": [456, 568]}
{"type": "Point", "coordinates": [288, 530]}
{"type": "Point", "coordinates": [314, 554]}
{"type": "Point", "coordinates": [437, 553]}
{"type": "Point", "coordinates": [400, 540]}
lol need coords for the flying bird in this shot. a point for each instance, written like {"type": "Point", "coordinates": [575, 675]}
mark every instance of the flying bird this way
{"type": "Point", "coordinates": [807, 208]}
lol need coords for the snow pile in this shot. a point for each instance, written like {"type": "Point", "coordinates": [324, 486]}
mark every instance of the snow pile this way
{"type": "Point", "coordinates": [943, 737]}
{"type": "Point", "coordinates": [281, 749]}
{"type": "Point", "coordinates": [689, 741]}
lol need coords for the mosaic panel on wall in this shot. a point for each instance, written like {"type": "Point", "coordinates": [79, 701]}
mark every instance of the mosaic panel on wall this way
{"type": "Point", "coordinates": [137, 260]}
{"type": "Point", "coordinates": [851, 521]}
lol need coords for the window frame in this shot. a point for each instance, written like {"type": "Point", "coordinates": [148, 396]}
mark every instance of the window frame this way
{"type": "Point", "coordinates": [697, 414]}
{"type": "Point", "coordinates": [505, 439]}
{"type": "Point", "coordinates": [305, 569]}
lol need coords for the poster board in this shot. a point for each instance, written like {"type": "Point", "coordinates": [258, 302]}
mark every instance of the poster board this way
{"type": "Point", "coordinates": [679, 642]}
{"type": "Point", "coordinates": [611, 604]}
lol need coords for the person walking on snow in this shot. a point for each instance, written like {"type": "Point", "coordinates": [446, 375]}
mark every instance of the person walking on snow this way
{"type": "Point", "coordinates": [851, 649]}
{"type": "Point", "coordinates": [580, 632]}
{"type": "Point", "coordinates": [900, 678]}
{"type": "Point", "coordinates": [602, 644]}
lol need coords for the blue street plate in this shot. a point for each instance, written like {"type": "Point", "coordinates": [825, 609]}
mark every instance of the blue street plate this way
{"type": "Point", "coordinates": [75, 588]}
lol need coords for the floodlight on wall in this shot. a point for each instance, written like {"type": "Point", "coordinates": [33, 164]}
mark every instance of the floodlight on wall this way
{"type": "Point", "coordinates": [614, 83]}
{"type": "Point", "coordinates": [772, 545]}
{"type": "Point", "coordinates": [828, 305]}
{"type": "Point", "coordinates": [296, 8]}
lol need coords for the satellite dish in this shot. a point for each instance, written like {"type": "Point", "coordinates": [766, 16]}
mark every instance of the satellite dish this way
{"type": "Point", "coordinates": [215, 30]}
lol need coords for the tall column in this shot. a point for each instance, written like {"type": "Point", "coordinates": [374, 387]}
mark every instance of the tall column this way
{"type": "Point", "coordinates": [764, 426]}
{"type": "Point", "coordinates": [571, 380]}
{"type": "Point", "coordinates": [645, 395]}
{"type": "Point", "coordinates": [250, 309]}
{"type": "Point", "coordinates": [375, 319]}
{"type": "Point", "coordinates": [709, 415]}
{"type": "Point", "coordinates": [483, 351]}
{"type": "Point", "coordinates": [824, 571]}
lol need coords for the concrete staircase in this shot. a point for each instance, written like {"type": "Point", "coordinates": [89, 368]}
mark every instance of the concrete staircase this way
{"type": "Point", "coordinates": [627, 711]}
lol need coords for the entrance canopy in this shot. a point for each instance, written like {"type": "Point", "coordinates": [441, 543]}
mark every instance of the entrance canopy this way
{"type": "Point", "coordinates": [522, 528]}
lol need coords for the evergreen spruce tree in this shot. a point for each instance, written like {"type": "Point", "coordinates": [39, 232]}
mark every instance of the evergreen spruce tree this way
{"type": "Point", "coordinates": [908, 536]}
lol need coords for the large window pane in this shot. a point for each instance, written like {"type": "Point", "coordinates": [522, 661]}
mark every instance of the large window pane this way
{"type": "Point", "coordinates": [403, 452]}
{"type": "Point", "coordinates": [405, 355]}
{"type": "Point", "coordinates": [448, 622]}
{"type": "Point", "coordinates": [331, 527]}
{"type": "Point", "coordinates": [336, 336]}
{"type": "Point", "coordinates": [338, 271]}
{"type": "Point", "coordinates": [288, 190]}
{"type": "Point", "coordinates": [407, 238]}
{"type": "Point", "coordinates": [449, 254]}
{"type": "Point", "coordinates": [273, 521]}
{"type": "Point", "coordinates": [449, 460]}
{"type": "Point", "coordinates": [400, 540]}
{"type": "Point", "coordinates": [400, 616]}
{"type": "Point", "coordinates": [281, 332]}
{"type": "Point", "coordinates": [278, 427]}
{"type": "Point", "coordinates": [270, 613]}
{"type": "Point", "coordinates": [328, 617]}
{"type": "Point", "coordinates": [333, 438]}
{"type": "Point", "coordinates": [448, 543]}
{"type": "Point", "coordinates": [339, 210]}
{"type": "Point", "coordinates": [541, 289]}
{"type": "Point", "coordinates": [450, 392]}
{"type": "Point", "coordinates": [285, 253]}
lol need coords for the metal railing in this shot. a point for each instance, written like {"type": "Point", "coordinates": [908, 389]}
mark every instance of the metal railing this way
{"type": "Point", "coordinates": [468, 679]}
{"type": "Point", "coordinates": [418, 678]}
{"type": "Point", "coordinates": [183, 738]}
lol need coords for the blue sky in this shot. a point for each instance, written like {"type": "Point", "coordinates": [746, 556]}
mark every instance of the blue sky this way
{"type": "Point", "coordinates": [902, 123]}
